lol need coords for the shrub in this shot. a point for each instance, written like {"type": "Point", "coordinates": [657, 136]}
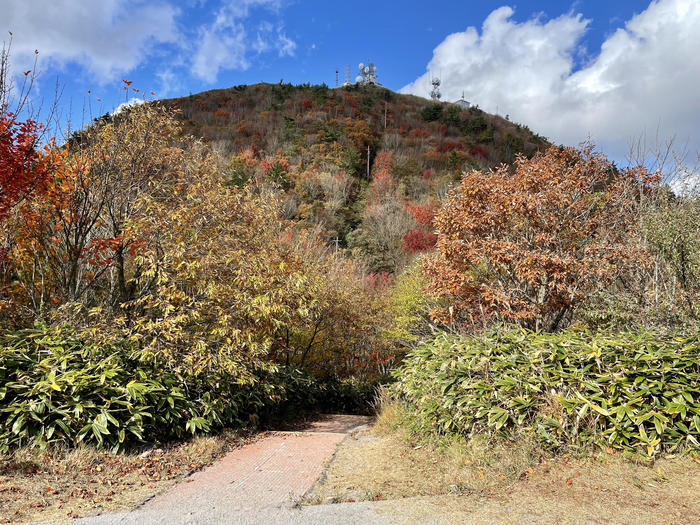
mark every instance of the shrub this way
{"type": "Point", "coordinates": [419, 240]}
{"type": "Point", "coordinates": [431, 112]}
{"type": "Point", "coordinates": [57, 387]}
{"type": "Point", "coordinates": [473, 125]}
{"type": "Point", "coordinates": [486, 135]}
{"type": "Point", "coordinates": [634, 391]}
{"type": "Point", "coordinates": [672, 226]}
{"type": "Point", "coordinates": [409, 306]}
{"type": "Point", "coordinates": [453, 115]}
{"type": "Point", "coordinates": [531, 245]}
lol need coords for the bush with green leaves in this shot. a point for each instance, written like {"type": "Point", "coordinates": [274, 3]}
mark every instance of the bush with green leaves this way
{"type": "Point", "coordinates": [633, 391]}
{"type": "Point", "coordinates": [58, 387]}
{"type": "Point", "coordinates": [672, 227]}
{"type": "Point", "coordinates": [431, 112]}
{"type": "Point", "coordinates": [410, 306]}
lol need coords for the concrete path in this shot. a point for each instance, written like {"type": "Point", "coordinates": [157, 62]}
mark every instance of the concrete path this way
{"type": "Point", "coordinates": [257, 484]}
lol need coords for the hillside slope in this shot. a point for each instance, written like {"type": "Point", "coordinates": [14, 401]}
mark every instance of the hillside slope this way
{"type": "Point", "coordinates": [366, 165]}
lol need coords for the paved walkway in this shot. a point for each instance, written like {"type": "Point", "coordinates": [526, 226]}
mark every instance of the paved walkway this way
{"type": "Point", "coordinates": [257, 484]}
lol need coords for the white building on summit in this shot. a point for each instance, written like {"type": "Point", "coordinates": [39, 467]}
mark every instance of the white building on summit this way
{"type": "Point", "coordinates": [464, 104]}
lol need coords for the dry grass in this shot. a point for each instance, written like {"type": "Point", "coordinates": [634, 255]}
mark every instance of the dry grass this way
{"type": "Point", "coordinates": [608, 490]}
{"type": "Point", "coordinates": [372, 467]}
{"type": "Point", "coordinates": [60, 484]}
{"type": "Point", "coordinates": [392, 462]}
{"type": "Point", "coordinates": [477, 482]}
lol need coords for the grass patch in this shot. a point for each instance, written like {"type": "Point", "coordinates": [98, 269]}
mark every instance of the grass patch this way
{"type": "Point", "coordinates": [497, 481]}
{"type": "Point", "coordinates": [395, 460]}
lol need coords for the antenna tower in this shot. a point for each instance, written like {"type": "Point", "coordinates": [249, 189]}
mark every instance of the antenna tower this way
{"type": "Point", "coordinates": [435, 93]}
{"type": "Point", "coordinates": [347, 76]}
{"type": "Point", "coordinates": [368, 75]}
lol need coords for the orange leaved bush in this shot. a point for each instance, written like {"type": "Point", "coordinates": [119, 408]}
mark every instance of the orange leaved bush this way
{"type": "Point", "coordinates": [531, 243]}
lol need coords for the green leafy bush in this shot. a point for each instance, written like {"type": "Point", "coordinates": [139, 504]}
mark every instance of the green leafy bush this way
{"type": "Point", "coordinates": [56, 387]}
{"type": "Point", "coordinates": [477, 124]}
{"type": "Point", "coordinates": [636, 391]}
{"type": "Point", "coordinates": [301, 392]}
{"type": "Point", "coordinates": [431, 112]}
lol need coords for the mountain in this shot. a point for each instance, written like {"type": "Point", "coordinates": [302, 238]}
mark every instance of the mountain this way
{"type": "Point", "coordinates": [366, 165]}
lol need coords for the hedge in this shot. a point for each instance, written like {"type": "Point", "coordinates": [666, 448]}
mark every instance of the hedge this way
{"type": "Point", "coordinates": [636, 391]}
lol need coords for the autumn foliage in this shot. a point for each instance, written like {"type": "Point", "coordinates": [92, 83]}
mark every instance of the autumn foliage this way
{"type": "Point", "coordinates": [419, 240]}
{"type": "Point", "coordinates": [530, 244]}
{"type": "Point", "coordinates": [302, 232]}
{"type": "Point", "coordinates": [136, 235]}
{"type": "Point", "coordinates": [24, 169]}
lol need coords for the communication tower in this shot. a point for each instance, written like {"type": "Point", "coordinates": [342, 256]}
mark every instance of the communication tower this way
{"type": "Point", "coordinates": [435, 93]}
{"type": "Point", "coordinates": [347, 76]}
{"type": "Point", "coordinates": [368, 75]}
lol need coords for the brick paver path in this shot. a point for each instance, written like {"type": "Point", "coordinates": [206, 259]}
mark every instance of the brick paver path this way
{"type": "Point", "coordinates": [257, 483]}
{"type": "Point", "coordinates": [274, 470]}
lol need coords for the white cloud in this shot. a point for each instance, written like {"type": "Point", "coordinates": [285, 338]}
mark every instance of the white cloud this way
{"type": "Point", "coordinates": [170, 83]}
{"type": "Point", "coordinates": [126, 105]}
{"type": "Point", "coordinates": [225, 43]}
{"type": "Point", "coordinates": [285, 45]}
{"type": "Point", "coordinates": [643, 80]}
{"type": "Point", "coordinates": [109, 38]}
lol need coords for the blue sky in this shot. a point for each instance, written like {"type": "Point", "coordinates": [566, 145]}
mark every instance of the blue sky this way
{"type": "Point", "coordinates": [609, 70]}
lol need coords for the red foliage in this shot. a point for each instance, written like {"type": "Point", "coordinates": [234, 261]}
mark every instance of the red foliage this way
{"type": "Point", "coordinates": [24, 171]}
{"type": "Point", "coordinates": [378, 282]}
{"type": "Point", "coordinates": [243, 130]}
{"type": "Point", "coordinates": [427, 174]}
{"type": "Point", "coordinates": [419, 240]}
{"type": "Point", "coordinates": [267, 164]}
{"type": "Point", "coordinates": [383, 160]}
{"type": "Point", "coordinates": [529, 246]}
{"type": "Point", "coordinates": [450, 145]}
{"type": "Point", "coordinates": [420, 133]}
{"type": "Point", "coordinates": [349, 100]}
{"type": "Point", "coordinates": [423, 215]}
{"type": "Point", "coordinates": [381, 186]}
{"type": "Point", "coordinates": [307, 104]}
{"type": "Point", "coordinates": [479, 151]}
{"type": "Point", "coordinates": [432, 155]}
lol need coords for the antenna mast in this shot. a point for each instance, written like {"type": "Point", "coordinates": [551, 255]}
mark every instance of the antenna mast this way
{"type": "Point", "coordinates": [368, 75]}
{"type": "Point", "coordinates": [435, 93]}
{"type": "Point", "coordinates": [347, 76]}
